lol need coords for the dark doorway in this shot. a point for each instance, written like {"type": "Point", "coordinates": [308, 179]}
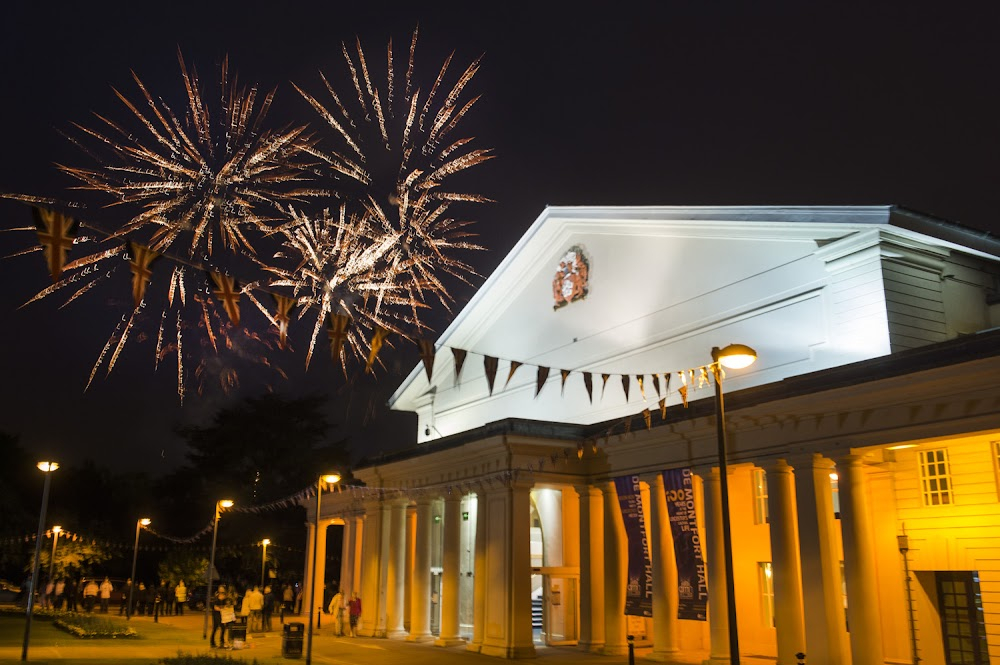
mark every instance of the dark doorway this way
{"type": "Point", "coordinates": [963, 629]}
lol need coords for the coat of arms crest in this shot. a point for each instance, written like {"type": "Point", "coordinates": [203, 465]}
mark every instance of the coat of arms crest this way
{"type": "Point", "coordinates": [570, 283]}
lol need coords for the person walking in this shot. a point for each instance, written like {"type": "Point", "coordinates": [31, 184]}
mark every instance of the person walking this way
{"type": "Point", "coordinates": [254, 601]}
{"type": "Point", "coordinates": [221, 604]}
{"type": "Point", "coordinates": [169, 599]}
{"type": "Point", "coordinates": [355, 613]}
{"type": "Point", "coordinates": [127, 593]}
{"type": "Point", "coordinates": [287, 600]}
{"type": "Point", "coordinates": [90, 592]}
{"type": "Point", "coordinates": [60, 591]}
{"type": "Point", "coordinates": [105, 589]}
{"type": "Point", "coordinates": [181, 595]}
{"type": "Point", "coordinates": [336, 608]}
{"type": "Point", "coordinates": [72, 589]}
{"type": "Point", "coordinates": [268, 609]}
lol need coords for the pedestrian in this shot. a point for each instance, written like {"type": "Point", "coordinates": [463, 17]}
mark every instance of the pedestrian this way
{"type": "Point", "coordinates": [48, 590]}
{"type": "Point", "coordinates": [169, 599]}
{"type": "Point", "coordinates": [105, 590]}
{"type": "Point", "coordinates": [268, 608]}
{"type": "Point", "coordinates": [127, 593]}
{"type": "Point", "coordinates": [90, 592]}
{"type": "Point", "coordinates": [72, 590]}
{"type": "Point", "coordinates": [181, 594]}
{"type": "Point", "coordinates": [254, 601]}
{"type": "Point", "coordinates": [158, 601]}
{"type": "Point", "coordinates": [287, 598]}
{"type": "Point", "coordinates": [336, 608]}
{"type": "Point", "coordinates": [355, 611]}
{"type": "Point", "coordinates": [149, 599]}
{"type": "Point", "coordinates": [60, 590]}
{"type": "Point", "coordinates": [221, 605]}
{"type": "Point", "coordinates": [298, 598]}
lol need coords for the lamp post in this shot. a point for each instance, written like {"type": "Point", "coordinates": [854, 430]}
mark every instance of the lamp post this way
{"type": "Point", "coordinates": [219, 505]}
{"type": "Point", "coordinates": [734, 356]}
{"type": "Point", "coordinates": [47, 468]}
{"type": "Point", "coordinates": [263, 559]}
{"type": "Point", "coordinates": [327, 480]}
{"type": "Point", "coordinates": [56, 530]}
{"type": "Point", "coordinates": [139, 523]}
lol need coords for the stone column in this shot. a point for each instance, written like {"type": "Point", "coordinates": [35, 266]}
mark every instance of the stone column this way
{"type": "Point", "coordinates": [359, 530]}
{"type": "Point", "coordinates": [420, 583]}
{"type": "Point", "coordinates": [615, 571]}
{"type": "Point", "coordinates": [396, 577]}
{"type": "Point", "coordinates": [821, 591]}
{"type": "Point", "coordinates": [715, 561]}
{"type": "Point", "coordinates": [591, 568]}
{"type": "Point", "coordinates": [346, 582]}
{"type": "Point", "coordinates": [785, 566]}
{"type": "Point", "coordinates": [661, 552]}
{"type": "Point", "coordinates": [372, 546]}
{"type": "Point", "coordinates": [863, 614]}
{"type": "Point", "coordinates": [312, 587]}
{"type": "Point", "coordinates": [451, 573]}
{"type": "Point", "coordinates": [479, 576]}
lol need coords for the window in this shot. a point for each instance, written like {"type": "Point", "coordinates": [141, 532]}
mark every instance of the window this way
{"type": "Point", "coordinates": [766, 576]}
{"type": "Point", "coordinates": [835, 494]}
{"type": "Point", "coordinates": [935, 479]}
{"type": "Point", "coordinates": [759, 478]}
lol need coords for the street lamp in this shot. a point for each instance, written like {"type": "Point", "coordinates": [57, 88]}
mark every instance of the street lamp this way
{"type": "Point", "coordinates": [47, 468]}
{"type": "Point", "coordinates": [139, 523]}
{"type": "Point", "coordinates": [263, 559]}
{"type": "Point", "coordinates": [52, 557]}
{"type": "Point", "coordinates": [327, 480]}
{"type": "Point", "coordinates": [734, 356]}
{"type": "Point", "coordinates": [219, 505]}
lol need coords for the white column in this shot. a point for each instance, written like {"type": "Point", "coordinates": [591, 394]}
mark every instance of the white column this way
{"type": "Point", "coordinates": [785, 566]}
{"type": "Point", "coordinates": [591, 568]}
{"type": "Point", "coordinates": [863, 614]}
{"type": "Point", "coordinates": [320, 578]}
{"type": "Point", "coordinates": [359, 530]}
{"type": "Point", "coordinates": [479, 576]}
{"type": "Point", "coordinates": [450, 576]}
{"type": "Point", "coordinates": [823, 607]}
{"type": "Point", "coordinates": [615, 571]}
{"type": "Point", "coordinates": [395, 591]}
{"type": "Point", "coordinates": [420, 588]}
{"type": "Point", "coordinates": [346, 582]}
{"type": "Point", "coordinates": [372, 546]}
{"type": "Point", "coordinates": [718, 618]}
{"type": "Point", "coordinates": [665, 599]}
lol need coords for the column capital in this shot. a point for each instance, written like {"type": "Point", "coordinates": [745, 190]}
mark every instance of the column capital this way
{"type": "Point", "coordinates": [776, 466]}
{"type": "Point", "coordinates": [587, 490]}
{"type": "Point", "coordinates": [803, 461]}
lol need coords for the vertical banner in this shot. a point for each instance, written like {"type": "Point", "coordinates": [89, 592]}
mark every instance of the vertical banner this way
{"type": "Point", "coordinates": [692, 588]}
{"type": "Point", "coordinates": [639, 581]}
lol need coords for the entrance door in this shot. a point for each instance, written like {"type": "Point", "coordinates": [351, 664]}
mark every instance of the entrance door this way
{"type": "Point", "coordinates": [962, 626]}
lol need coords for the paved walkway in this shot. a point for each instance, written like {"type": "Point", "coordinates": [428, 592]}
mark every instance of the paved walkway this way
{"type": "Point", "coordinates": [184, 634]}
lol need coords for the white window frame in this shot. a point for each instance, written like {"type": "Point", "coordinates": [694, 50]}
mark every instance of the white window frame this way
{"type": "Point", "coordinates": [760, 511]}
{"type": "Point", "coordinates": [765, 578]}
{"type": "Point", "coordinates": [936, 487]}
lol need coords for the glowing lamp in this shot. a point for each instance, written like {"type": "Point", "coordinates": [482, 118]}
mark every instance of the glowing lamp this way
{"type": "Point", "coordinates": [226, 503]}
{"type": "Point", "coordinates": [735, 356]}
{"type": "Point", "coordinates": [145, 521]}
{"type": "Point", "coordinates": [47, 466]}
{"type": "Point", "coordinates": [331, 478]}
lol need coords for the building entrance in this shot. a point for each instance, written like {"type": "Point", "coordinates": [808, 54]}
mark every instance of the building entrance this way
{"type": "Point", "coordinates": [960, 606]}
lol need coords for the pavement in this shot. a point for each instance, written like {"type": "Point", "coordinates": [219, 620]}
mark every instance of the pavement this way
{"type": "Point", "coordinates": [176, 635]}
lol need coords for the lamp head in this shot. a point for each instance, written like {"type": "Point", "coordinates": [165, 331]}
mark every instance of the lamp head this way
{"type": "Point", "coordinates": [145, 521]}
{"type": "Point", "coordinates": [266, 541]}
{"type": "Point", "coordinates": [226, 503]}
{"type": "Point", "coordinates": [734, 356]}
{"type": "Point", "coordinates": [56, 529]}
{"type": "Point", "coordinates": [47, 466]}
{"type": "Point", "coordinates": [331, 478]}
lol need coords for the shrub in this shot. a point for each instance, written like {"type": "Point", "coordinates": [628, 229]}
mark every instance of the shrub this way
{"type": "Point", "coordinates": [201, 659]}
{"type": "Point", "coordinates": [94, 627]}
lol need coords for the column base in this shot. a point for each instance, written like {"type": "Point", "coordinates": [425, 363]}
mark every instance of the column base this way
{"type": "Point", "coordinates": [614, 650]}
{"type": "Point", "coordinates": [510, 652]}
{"type": "Point", "coordinates": [666, 656]}
{"type": "Point", "coordinates": [474, 647]}
{"type": "Point", "coordinates": [449, 641]}
{"type": "Point", "coordinates": [590, 647]}
{"type": "Point", "coordinates": [419, 637]}
{"type": "Point", "coordinates": [716, 661]}
{"type": "Point", "coordinates": [396, 634]}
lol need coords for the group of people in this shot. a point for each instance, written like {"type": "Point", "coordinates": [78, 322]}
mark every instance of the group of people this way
{"type": "Point", "coordinates": [256, 606]}
{"type": "Point", "coordinates": [70, 594]}
{"type": "Point", "coordinates": [164, 600]}
{"type": "Point", "coordinates": [338, 605]}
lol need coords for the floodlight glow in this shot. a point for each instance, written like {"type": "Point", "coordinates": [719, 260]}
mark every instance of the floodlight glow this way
{"type": "Point", "coordinates": [56, 529]}
{"type": "Point", "coordinates": [331, 478]}
{"type": "Point", "coordinates": [145, 521]}
{"type": "Point", "coordinates": [735, 356]}
{"type": "Point", "coordinates": [226, 503]}
{"type": "Point", "coordinates": [48, 466]}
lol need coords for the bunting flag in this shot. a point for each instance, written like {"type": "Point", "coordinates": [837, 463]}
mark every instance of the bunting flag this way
{"type": "Point", "coordinates": [625, 380]}
{"type": "Point", "coordinates": [142, 258]}
{"type": "Point", "coordinates": [647, 417]}
{"type": "Point", "coordinates": [459, 355]}
{"type": "Point", "coordinates": [427, 356]}
{"type": "Point", "coordinates": [490, 365]}
{"type": "Point", "coordinates": [56, 232]}
{"type": "Point", "coordinates": [642, 390]}
{"type": "Point", "coordinates": [228, 295]}
{"type": "Point", "coordinates": [565, 375]}
{"type": "Point", "coordinates": [683, 391]}
{"type": "Point", "coordinates": [339, 323]}
{"type": "Point", "coordinates": [666, 384]}
{"type": "Point", "coordinates": [663, 408]}
{"type": "Point", "coordinates": [543, 375]}
{"type": "Point", "coordinates": [656, 384]}
{"type": "Point", "coordinates": [702, 377]}
{"type": "Point", "coordinates": [283, 317]}
{"type": "Point", "coordinates": [513, 368]}
{"type": "Point", "coordinates": [588, 381]}
{"type": "Point", "coordinates": [378, 338]}
{"type": "Point", "coordinates": [604, 384]}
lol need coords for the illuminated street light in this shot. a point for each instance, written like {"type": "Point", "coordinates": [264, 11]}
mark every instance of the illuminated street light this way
{"type": "Point", "coordinates": [327, 480]}
{"type": "Point", "coordinates": [263, 559]}
{"type": "Point", "coordinates": [47, 468]}
{"type": "Point", "coordinates": [145, 521]}
{"type": "Point", "coordinates": [56, 530]}
{"type": "Point", "coordinates": [734, 356]}
{"type": "Point", "coordinates": [219, 506]}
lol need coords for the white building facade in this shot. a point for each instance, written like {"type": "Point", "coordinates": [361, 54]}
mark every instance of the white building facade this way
{"type": "Point", "coordinates": [864, 444]}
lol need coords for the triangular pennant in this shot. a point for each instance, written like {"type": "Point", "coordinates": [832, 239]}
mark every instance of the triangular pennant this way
{"type": "Point", "coordinates": [702, 377]}
{"type": "Point", "coordinates": [604, 383]}
{"type": "Point", "coordinates": [625, 381]}
{"type": "Point", "coordinates": [378, 339]}
{"type": "Point", "coordinates": [513, 368]}
{"type": "Point", "coordinates": [663, 408]}
{"type": "Point", "coordinates": [642, 391]}
{"type": "Point", "coordinates": [56, 232]}
{"type": "Point", "coordinates": [283, 318]}
{"type": "Point", "coordinates": [666, 384]}
{"type": "Point", "coordinates": [142, 258]}
{"type": "Point", "coordinates": [647, 417]}
{"type": "Point", "coordinates": [656, 384]}
{"type": "Point", "coordinates": [683, 390]}
{"type": "Point", "coordinates": [339, 323]}
{"type": "Point", "coordinates": [543, 374]}
{"type": "Point", "coordinates": [228, 294]}
{"type": "Point", "coordinates": [565, 375]}
{"type": "Point", "coordinates": [459, 355]}
{"type": "Point", "coordinates": [427, 356]}
{"type": "Point", "coordinates": [588, 381]}
{"type": "Point", "coordinates": [490, 365]}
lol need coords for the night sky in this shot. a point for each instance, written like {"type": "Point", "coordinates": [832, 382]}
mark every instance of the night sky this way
{"type": "Point", "coordinates": [695, 103]}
